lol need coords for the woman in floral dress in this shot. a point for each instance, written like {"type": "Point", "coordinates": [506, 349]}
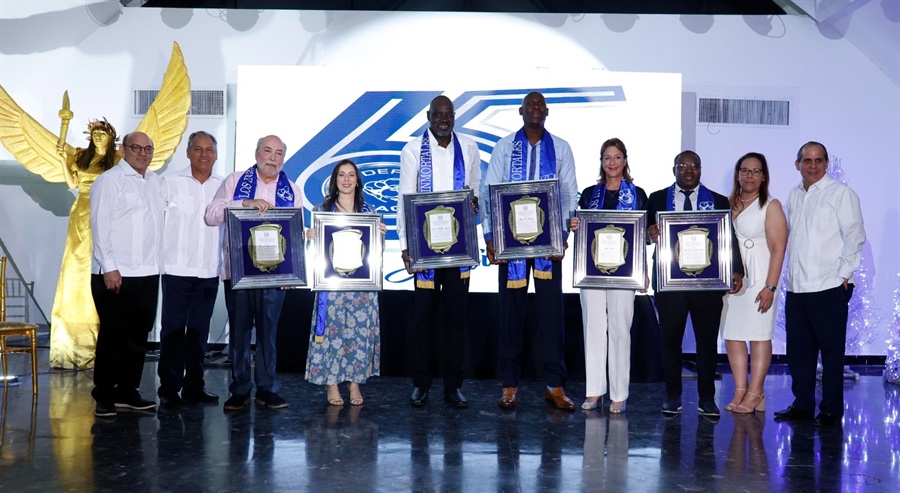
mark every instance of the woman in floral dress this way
{"type": "Point", "coordinates": [348, 348]}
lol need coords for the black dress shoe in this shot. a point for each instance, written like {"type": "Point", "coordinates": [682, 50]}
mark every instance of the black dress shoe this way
{"type": "Point", "coordinates": [419, 396]}
{"type": "Point", "coordinates": [201, 396]}
{"type": "Point", "coordinates": [826, 418]}
{"type": "Point", "coordinates": [456, 399]}
{"type": "Point", "coordinates": [672, 407]}
{"type": "Point", "coordinates": [793, 413]}
{"type": "Point", "coordinates": [169, 399]}
{"type": "Point", "coordinates": [707, 407]}
{"type": "Point", "coordinates": [105, 409]}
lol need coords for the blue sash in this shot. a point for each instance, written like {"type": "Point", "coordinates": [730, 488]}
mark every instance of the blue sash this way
{"type": "Point", "coordinates": [627, 197]}
{"type": "Point", "coordinates": [705, 199]}
{"type": "Point", "coordinates": [246, 188]}
{"type": "Point", "coordinates": [425, 280]}
{"type": "Point", "coordinates": [516, 276]}
{"type": "Point", "coordinates": [322, 296]}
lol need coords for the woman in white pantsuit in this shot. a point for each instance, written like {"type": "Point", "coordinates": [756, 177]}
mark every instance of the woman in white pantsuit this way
{"type": "Point", "coordinates": [607, 313]}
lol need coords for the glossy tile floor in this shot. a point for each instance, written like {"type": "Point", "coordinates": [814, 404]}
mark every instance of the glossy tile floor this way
{"type": "Point", "coordinates": [386, 445]}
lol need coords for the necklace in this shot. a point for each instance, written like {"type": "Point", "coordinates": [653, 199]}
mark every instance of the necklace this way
{"type": "Point", "coordinates": [748, 200]}
{"type": "Point", "coordinates": [341, 208]}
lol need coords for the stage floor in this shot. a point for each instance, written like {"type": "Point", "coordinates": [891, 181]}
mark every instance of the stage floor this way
{"type": "Point", "coordinates": [386, 445]}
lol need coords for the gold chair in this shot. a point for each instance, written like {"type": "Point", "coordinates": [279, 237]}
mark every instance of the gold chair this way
{"type": "Point", "coordinates": [8, 329]}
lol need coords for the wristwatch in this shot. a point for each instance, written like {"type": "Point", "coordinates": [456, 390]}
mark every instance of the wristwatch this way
{"type": "Point", "coordinates": [771, 288]}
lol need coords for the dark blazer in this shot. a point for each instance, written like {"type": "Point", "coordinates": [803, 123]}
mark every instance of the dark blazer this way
{"type": "Point", "coordinates": [657, 203]}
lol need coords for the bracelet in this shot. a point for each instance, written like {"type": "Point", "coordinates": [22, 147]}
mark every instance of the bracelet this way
{"type": "Point", "coordinates": [771, 288]}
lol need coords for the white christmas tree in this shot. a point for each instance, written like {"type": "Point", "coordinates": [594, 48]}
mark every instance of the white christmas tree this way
{"type": "Point", "coordinates": [892, 361]}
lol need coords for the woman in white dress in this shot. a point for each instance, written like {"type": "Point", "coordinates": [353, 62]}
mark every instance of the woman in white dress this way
{"type": "Point", "coordinates": [748, 315]}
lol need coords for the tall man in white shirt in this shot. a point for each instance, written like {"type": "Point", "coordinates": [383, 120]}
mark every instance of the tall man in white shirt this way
{"type": "Point", "coordinates": [263, 186]}
{"type": "Point", "coordinates": [127, 224]}
{"type": "Point", "coordinates": [191, 258]}
{"type": "Point", "coordinates": [825, 241]}
{"type": "Point", "coordinates": [532, 153]}
{"type": "Point", "coordinates": [438, 160]}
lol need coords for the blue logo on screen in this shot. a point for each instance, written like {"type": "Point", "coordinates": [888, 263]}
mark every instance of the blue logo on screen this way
{"type": "Point", "coordinates": [363, 133]}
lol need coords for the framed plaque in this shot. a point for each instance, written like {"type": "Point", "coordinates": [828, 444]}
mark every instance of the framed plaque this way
{"type": "Point", "coordinates": [265, 249]}
{"type": "Point", "coordinates": [349, 249]}
{"type": "Point", "coordinates": [526, 219]}
{"type": "Point", "coordinates": [694, 251]}
{"type": "Point", "coordinates": [441, 230]}
{"type": "Point", "coordinates": [610, 251]}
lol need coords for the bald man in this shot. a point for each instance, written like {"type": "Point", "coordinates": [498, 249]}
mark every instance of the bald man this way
{"type": "Point", "coordinates": [127, 211]}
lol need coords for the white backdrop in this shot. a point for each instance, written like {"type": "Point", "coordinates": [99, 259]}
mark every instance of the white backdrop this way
{"type": "Point", "coordinates": [339, 115]}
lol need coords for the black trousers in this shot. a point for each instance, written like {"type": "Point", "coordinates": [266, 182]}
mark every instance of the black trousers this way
{"type": "Point", "coordinates": [452, 292]}
{"type": "Point", "coordinates": [187, 306]}
{"type": "Point", "coordinates": [548, 295]}
{"type": "Point", "coordinates": [817, 322]}
{"type": "Point", "coordinates": [126, 319]}
{"type": "Point", "coordinates": [705, 309]}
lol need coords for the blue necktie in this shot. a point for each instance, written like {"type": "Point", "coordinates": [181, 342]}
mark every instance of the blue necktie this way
{"type": "Point", "coordinates": [687, 200]}
{"type": "Point", "coordinates": [533, 160]}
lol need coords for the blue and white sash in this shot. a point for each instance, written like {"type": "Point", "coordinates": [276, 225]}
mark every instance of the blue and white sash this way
{"type": "Point", "coordinates": [705, 200]}
{"type": "Point", "coordinates": [543, 268]}
{"type": "Point", "coordinates": [322, 297]}
{"type": "Point", "coordinates": [627, 197]}
{"type": "Point", "coordinates": [246, 188]}
{"type": "Point", "coordinates": [425, 280]}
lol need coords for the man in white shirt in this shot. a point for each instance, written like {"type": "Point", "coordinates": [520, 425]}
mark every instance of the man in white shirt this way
{"type": "Point", "coordinates": [127, 224]}
{"type": "Point", "coordinates": [825, 241]}
{"type": "Point", "coordinates": [532, 153]}
{"type": "Point", "coordinates": [191, 259]}
{"type": "Point", "coordinates": [264, 186]}
{"type": "Point", "coordinates": [438, 160]}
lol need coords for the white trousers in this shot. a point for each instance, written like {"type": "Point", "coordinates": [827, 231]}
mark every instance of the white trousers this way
{"type": "Point", "coordinates": [607, 313]}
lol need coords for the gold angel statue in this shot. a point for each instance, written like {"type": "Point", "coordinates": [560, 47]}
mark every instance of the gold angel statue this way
{"type": "Point", "coordinates": [74, 321]}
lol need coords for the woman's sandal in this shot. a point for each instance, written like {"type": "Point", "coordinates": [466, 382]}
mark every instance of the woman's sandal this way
{"type": "Point", "coordinates": [335, 401]}
{"type": "Point", "coordinates": [760, 405]}
{"type": "Point", "coordinates": [617, 408]}
{"type": "Point", "coordinates": [355, 401]}
{"type": "Point", "coordinates": [731, 405]}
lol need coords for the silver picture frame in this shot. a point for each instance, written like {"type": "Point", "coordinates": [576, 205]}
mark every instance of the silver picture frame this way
{"type": "Point", "coordinates": [610, 249]}
{"type": "Point", "coordinates": [458, 245]}
{"type": "Point", "coordinates": [544, 241]}
{"type": "Point", "coordinates": [694, 252]}
{"type": "Point", "coordinates": [287, 267]}
{"type": "Point", "coordinates": [349, 252]}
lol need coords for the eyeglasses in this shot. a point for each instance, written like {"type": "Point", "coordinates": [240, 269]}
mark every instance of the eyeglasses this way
{"type": "Point", "coordinates": [749, 171]}
{"type": "Point", "coordinates": [684, 166]}
{"type": "Point", "coordinates": [137, 149]}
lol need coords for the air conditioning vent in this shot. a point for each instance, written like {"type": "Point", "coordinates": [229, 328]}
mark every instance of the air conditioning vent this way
{"type": "Point", "coordinates": [203, 103]}
{"type": "Point", "coordinates": [744, 111]}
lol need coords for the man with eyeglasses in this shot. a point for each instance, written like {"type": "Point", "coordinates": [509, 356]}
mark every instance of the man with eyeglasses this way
{"type": "Point", "coordinates": [263, 186]}
{"type": "Point", "coordinates": [825, 242]}
{"type": "Point", "coordinates": [127, 227]}
{"type": "Point", "coordinates": [704, 307]}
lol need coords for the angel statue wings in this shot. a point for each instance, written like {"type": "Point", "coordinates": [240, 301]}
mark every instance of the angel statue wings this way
{"type": "Point", "coordinates": [74, 322]}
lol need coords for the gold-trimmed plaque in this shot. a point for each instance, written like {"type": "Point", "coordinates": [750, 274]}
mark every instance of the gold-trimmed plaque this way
{"type": "Point", "coordinates": [526, 219]}
{"type": "Point", "coordinates": [693, 250]}
{"type": "Point", "coordinates": [266, 246]}
{"type": "Point", "coordinates": [609, 248]}
{"type": "Point", "coordinates": [346, 251]}
{"type": "Point", "coordinates": [441, 229]}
